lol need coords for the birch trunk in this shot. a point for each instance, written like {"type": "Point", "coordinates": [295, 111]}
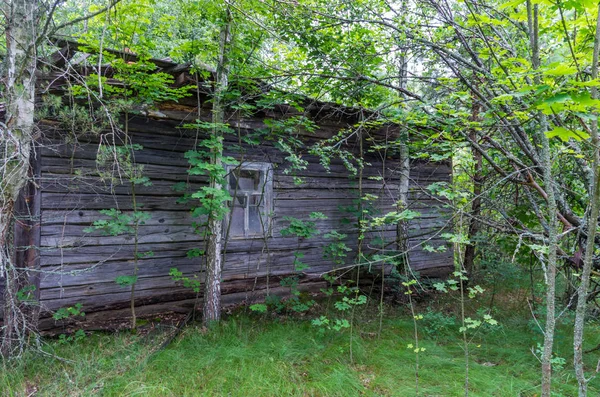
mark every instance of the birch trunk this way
{"type": "Point", "coordinates": [214, 265]}
{"type": "Point", "coordinates": [15, 147]}
{"type": "Point", "coordinates": [404, 182]}
{"type": "Point", "coordinates": [594, 210]}
{"type": "Point", "coordinates": [402, 203]}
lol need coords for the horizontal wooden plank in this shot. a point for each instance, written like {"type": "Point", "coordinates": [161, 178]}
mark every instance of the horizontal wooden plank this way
{"type": "Point", "coordinates": [84, 167]}
{"type": "Point", "coordinates": [52, 300]}
{"type": "Point", "coordinates": [87, 217]}
{"type": "Point", "coordinates": [74, 201]}
{"type": "Point", "coordinates": [55, 183]}
{"type": "Point", "coordinates": [87, 256]}
{"type": "Point", "coordinates": [180, 218]}
{"type": "Point", "coordinates": [75, 235]}
{"type": "Point", "coordinates": [81, 172]}
{"type": "Point", "coordinates": [92, 254]}
{"type": "Point", "coordinates": [92, 273]}
{"type": "Point", "coordinates": [284, 187]}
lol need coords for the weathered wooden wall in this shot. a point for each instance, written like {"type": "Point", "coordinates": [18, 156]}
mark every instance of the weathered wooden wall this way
{"type": "Point", "coordinates": [81, 267]}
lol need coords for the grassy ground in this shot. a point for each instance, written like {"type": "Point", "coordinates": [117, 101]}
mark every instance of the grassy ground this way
{"type": "Point", "coordinates": [257, 355]}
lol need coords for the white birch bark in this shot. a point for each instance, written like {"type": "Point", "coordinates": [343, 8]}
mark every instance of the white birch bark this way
{"type": "Point", "coordinates": [214, 265]}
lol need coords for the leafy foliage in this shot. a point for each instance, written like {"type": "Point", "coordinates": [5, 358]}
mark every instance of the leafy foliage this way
{"type": "Point", "coordinates": [68, 312]}
{"type": "Point", "coordinates": [192, 283]}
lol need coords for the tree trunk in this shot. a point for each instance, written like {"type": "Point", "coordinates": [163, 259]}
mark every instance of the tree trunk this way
{"type": "Point", "coordinates": [546, 163]}
{"type": "Point", "coordinates": [212, 284]}
{"type": "Point", "coordinates": [404, 181]}
{"type": "Point", "coordinates": [469, 259]}
{"type": "Point", "coordinates": [594, 210]}
{"type": "Point", "coordinates": [402, 203]}
{"type": "Point", "coordinates": [15, 145]}
{"type": "Point", "coordinates": [550, 271]}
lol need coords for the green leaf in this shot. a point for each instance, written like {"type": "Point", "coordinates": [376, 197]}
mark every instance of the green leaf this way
{"type": "Point", "coordinates": [124, 281]}
{"type": "Point", "coordinates": [317, 215]}
{"type": "Point", "coordinates": [441, 287]}
{"type": "Point", "coordinates": [557, 98]}
{"type": "Point", "coordinates": [341, 306]}
{"type": "Point", "coordinates": [511, 4]}
{"type": "Point", "coordinates": [561, 70]}
{"type": "Point", "coordinates": [259, 308]}
{"type": "Point", "coordinates": [565, 134]}
{"type": "Point", "coordinates": [589, 83]}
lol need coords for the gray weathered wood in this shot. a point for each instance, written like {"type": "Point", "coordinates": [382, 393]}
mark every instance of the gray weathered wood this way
{"type": "Point", "coordinates": [78, 266]}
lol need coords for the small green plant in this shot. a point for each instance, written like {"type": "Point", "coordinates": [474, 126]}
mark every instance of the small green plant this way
{"type": "Point", "coordinates": [119, 223]}
{"type": "Point", "coordinates": [457, 284]}
{"type": "Point", "coordinates": [67, 312]}
{"type": "Point", "coordinates": [350, 297]}
{"type": "Point", "coordinates": [125, 281]}
{"type": "Point", "coordinates": [436, 324]}
{"type": "Point", "coordinates": [330, 282]}
{"type": "Point", "coordinates": [392, 218]}
{"type": "Point", "coordinates": [187, 282]}
{"type": "Point", "coordinates": [302, 229]}
{"type": "Point", "coordinates": [26, 294]}
{"type": "Point", "coordinates": [295, 302]}
{"type": "Point", "coordinates": [558, 363]}
{"type": "Point", "coordinates": [195, 253]}
{"type": "Point", "coordinates": [208, 160]}
{"type": "Point", "coordinates": [275, 302]}
{"type": "Point", "coordinates": [468, 326]}
{"type": "Point", "coordinates": [337, 250]}
{"type": "Point", "coordinates": [325, 324]}
{"type": "Point", "coordinates": [74, 337]}
{"type": "Point", "coordinates": [410, 286]}
{"type": "Point", "coordinates": [259, 307]}
{"type": "Point", "coordinates": [284, 134]}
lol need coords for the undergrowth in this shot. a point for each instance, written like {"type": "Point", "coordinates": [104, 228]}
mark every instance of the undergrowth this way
{"type": "Point", "coordinates": [263, 355]}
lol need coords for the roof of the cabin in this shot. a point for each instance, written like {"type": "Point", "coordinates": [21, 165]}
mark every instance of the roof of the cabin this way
{"type": "Point", "coordinates": [74, 54]}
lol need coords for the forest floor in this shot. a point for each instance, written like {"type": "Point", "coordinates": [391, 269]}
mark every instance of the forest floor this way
{"type": "Point", "coordinates": [252, 354]}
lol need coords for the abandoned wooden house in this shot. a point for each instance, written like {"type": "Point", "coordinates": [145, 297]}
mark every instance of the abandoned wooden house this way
{"type": "Point", "coordinates": [78, 175]}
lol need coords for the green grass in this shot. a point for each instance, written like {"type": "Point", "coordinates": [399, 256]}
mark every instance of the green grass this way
{"type": "Point", "coordinates": [250, 355]}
